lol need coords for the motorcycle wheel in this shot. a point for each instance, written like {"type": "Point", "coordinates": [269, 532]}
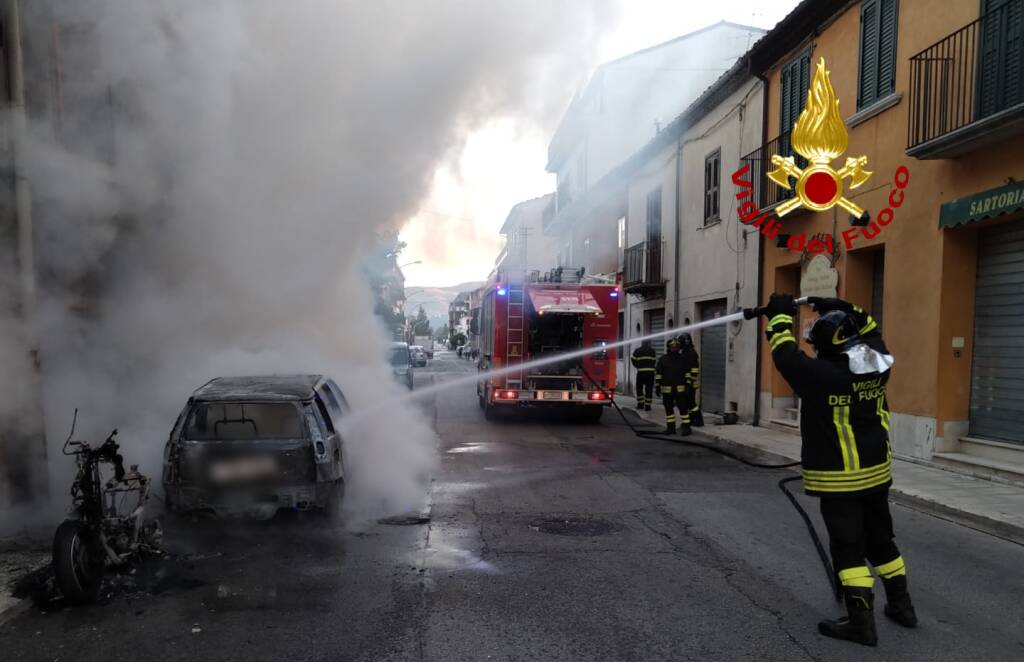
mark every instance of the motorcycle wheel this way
{"type": "Point", "coordinates": [77, 562]}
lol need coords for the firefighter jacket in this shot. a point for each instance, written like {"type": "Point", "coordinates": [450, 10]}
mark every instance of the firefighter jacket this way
{"type": "Point", "coordinates": [643, 360]}
{"type": "Point", "coordinates": [844, 417]}
{"type": "Point", "coordinates": [693, 375]}
{"type": "Point", "coordinates": [672, 372]}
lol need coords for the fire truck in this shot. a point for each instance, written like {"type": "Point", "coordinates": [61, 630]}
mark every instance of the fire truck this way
{"type": "Point", "coordinates": [541, 316]}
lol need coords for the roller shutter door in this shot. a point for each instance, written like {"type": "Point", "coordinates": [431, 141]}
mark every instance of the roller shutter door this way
{"type": "Point", "coordinates": [656, 324]}
{"type": "Point", "coordinates": [712, 358]}
{"type": "Point", "coordinates": [997, 369]}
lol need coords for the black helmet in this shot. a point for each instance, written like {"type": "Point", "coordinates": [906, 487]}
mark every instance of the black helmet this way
{"type": "Point", "coordinates": [686, 340]}
{"type": "Point", "coordinates": [833, 332]}
{"type": "Point", "coordinates": [673, 345]}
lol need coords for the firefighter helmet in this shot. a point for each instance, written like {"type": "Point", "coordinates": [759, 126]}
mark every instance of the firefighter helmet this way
{"type": "Point", "coordinates": [685, 340]}
{"type": "Point", "coordinates": [673, 345]}
{"type": "Point", "coordinates": [833, 333]}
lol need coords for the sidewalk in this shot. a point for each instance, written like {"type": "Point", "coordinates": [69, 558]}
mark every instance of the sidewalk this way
{"type": "Point", "coordinates": [994, 508]}
{"type": "Point", "coordinates": [20, 555]}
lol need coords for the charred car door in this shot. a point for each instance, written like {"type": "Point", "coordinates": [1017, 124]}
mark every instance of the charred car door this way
{"type": "Point", "coordinates": [327, 446]}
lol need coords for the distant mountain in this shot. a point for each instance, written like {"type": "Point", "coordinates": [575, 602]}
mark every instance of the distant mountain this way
{"type": "Point", "coordinates": [435, 300]}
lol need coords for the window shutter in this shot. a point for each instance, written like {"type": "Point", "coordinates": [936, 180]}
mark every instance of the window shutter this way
{"type": "Point", "coordinates": [868, 85]}
{"type": "Point", "coordinates": [886, 48]}
{"type": "Point", "coordinates": [989, 55]}
{"type": "Point", "coordinates": [1013, 79]}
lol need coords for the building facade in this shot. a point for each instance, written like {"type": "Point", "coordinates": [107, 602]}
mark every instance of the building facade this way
{"type": "Point", "coordinates": [626, 103]}
{"type": "Point", "coordinates": [932, 94]}
{"type": "Point", "coordinates": [685, 256]}
{"type": "Point", "coordinates": [525, 248]}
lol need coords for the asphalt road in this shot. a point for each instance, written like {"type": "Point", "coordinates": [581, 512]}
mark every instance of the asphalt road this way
{"type": "Point", "coordinates": [548, 541]}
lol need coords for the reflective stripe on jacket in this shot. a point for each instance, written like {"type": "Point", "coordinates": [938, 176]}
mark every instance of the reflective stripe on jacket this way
{"type": "Point", "coordinates": [844, 417]}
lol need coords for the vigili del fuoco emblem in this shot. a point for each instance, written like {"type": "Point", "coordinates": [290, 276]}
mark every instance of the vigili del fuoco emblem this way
{"type": "Point", "coordinates": [820, 136]}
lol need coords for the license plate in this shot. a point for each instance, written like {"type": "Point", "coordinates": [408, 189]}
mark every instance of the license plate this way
{"type": "Point", "coordinates": [231, 471]}
{"type": "Point", "coordinates": [552, 395]}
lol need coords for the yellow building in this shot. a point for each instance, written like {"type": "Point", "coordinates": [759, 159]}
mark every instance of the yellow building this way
{"type": "Point", "coordinates": [936, 87]}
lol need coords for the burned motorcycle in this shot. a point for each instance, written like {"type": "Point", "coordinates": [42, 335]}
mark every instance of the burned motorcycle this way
{"type": "Point", "coordinates": [106, 528]}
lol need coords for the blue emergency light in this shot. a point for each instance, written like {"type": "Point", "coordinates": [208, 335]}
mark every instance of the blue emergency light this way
{"type": "Point", "coordinates": [502, 291]}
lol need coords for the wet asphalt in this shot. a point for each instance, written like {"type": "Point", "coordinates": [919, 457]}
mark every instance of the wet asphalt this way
{"type": "Point", "coordinates": [548, 540]}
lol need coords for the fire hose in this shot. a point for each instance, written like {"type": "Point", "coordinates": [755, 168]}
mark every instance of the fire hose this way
{"type": "Point", "coordinates": [823, 554]}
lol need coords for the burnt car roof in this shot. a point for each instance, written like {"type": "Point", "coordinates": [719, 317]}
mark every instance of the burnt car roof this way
{"type": "Point", "coordinates": [271, 387]}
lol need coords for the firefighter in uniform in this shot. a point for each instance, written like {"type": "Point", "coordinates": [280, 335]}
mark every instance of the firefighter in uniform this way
{"type": "Point", "coordinates": [643, 359]}
{"type": "Point", "coordinates": [693, 380]}
{"type": "Point", "coordinates": [671, 377]}
{"type": "Point", "coordinates": [845, 452]}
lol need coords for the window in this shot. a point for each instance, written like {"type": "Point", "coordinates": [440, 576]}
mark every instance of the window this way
{"type": "Point", "coordinates": [622, 233]}
{"type": "Point", "coordinates": [322, 408]}
{"type": "Point", "coordinates": [877, 78]}
{"type": "Point", "coordinates": [712, 179]}
{"type": "Point", "coordinates": [243, 421]}
{"type": "Point", "coordinates": [793, 96]}
{"type": "Point", "coordinates": [654, 216]}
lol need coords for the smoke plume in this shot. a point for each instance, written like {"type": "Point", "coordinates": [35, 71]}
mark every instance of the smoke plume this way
{"type": "Point", "coordinates": [249, 153]}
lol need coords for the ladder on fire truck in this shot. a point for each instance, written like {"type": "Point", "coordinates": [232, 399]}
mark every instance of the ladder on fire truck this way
{"type": "Point", "coordinates": [514, 339]}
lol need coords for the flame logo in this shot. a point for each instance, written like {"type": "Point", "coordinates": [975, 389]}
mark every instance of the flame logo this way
{"type": "Point", "coordinates": [819, 135]}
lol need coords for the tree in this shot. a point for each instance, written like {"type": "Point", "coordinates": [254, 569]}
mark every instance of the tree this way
{"type": "Point", "coordinates": [421, 327]}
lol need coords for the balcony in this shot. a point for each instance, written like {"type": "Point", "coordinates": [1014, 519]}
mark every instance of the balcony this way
{"type": "Point", "coordinates": [766, 192]}
{"type": "Point", "coordinates": [967, 90]}
{"type": "Point", "coordinates": [641, 273]}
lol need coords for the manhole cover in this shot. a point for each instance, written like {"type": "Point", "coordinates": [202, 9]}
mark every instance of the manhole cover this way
{"type": "Point", "coordinates": [574, 526]}
{"type": "Point", "coordinates": [404, 520]}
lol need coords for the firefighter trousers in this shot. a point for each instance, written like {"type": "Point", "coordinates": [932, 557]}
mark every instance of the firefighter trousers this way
{"type": "Point", "coordinates": [645, 388]}
{"type": "Point", "coordinates": [674, 397]}
{"type": "Point", "coordinates": [859, 529]}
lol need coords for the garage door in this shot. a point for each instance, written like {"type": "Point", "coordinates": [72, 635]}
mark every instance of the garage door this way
{"type": "Point", "coordinates": [997, 370]}
{"type": "Point", "coordinates": [712, 358]}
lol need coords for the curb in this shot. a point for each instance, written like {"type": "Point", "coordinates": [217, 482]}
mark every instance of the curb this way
{"type": "Point", "coordinates": [994, 527]}
{"type": "Point", "coordinates": [11, 607]}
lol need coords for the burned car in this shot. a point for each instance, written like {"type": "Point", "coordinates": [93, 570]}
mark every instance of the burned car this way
{"type": "Point", "coordinates": [249, 446]}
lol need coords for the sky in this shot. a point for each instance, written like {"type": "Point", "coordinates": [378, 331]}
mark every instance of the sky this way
{"type": "Point", "coordinates": [454, 234]}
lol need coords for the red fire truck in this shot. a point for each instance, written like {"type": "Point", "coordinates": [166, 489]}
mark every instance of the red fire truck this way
{"type": "Point", "coordinates": [542, 317]}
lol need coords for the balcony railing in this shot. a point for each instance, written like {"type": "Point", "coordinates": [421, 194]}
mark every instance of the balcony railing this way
{"type": "Point", "coordinates": [767, 192]}
{"type": "Point", "coordinates": [972, 74]}
{"type": "Point", "coordinates": [642, 267]}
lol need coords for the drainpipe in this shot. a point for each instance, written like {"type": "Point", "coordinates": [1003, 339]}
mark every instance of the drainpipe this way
{"type": "Point", "coordinates": [760, 263]}
{"type": "Point", "coordinates": [31, 439]}
{"type": "Point", "coordinates": [679, 225]}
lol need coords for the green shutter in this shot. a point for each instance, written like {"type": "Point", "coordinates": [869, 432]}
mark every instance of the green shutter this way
{"type": "Point", "coordinates": [878, 27]}
{"type": "Point", "coordinates": [887, 26]}
{"type": "Point", "coordinates": [1001, 55]}
{"type": "Point", "coordinates": [868, 84]}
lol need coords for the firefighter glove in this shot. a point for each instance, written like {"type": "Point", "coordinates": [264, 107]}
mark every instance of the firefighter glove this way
{"type": "Point", "coordinates": [780, 304]}
{"type": "Point", "coordinates": [823, 305]}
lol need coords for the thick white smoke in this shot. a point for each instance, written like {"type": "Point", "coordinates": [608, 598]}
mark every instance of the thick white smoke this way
{"type": "Point", "coordinates": [259, 146]}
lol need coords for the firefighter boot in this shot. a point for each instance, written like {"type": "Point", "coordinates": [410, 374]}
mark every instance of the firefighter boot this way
{"type": "Point", "coordinates": [897, 601]}
{"type": "Point", "coordinates": [685, 430]}
{"type": "Point", "coordinates": [859, 623]}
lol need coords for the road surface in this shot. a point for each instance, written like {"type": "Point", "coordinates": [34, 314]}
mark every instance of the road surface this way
{"type": "Point", "coordinates": [547, 541]}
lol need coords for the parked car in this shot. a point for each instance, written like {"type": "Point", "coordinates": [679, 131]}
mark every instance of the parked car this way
{"type": "Point", "coordinates": [250, 446]}
{"type": "Point", "coordinates": [419, 356]}
{"type": "Point", "coordinates": [401, 363]}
